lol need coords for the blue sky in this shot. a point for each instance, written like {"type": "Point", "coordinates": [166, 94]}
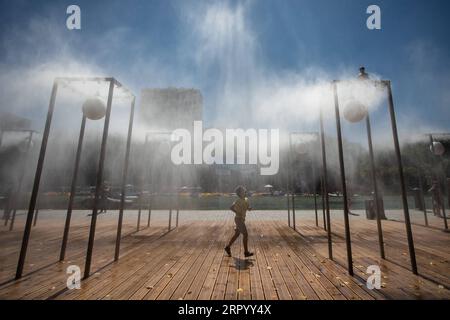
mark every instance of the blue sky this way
{"type": "Point", "coordinates": [234, 50]}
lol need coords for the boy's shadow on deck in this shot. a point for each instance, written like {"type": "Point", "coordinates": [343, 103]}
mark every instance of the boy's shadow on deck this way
{"type": "Point", "coordinates": [243, 264]}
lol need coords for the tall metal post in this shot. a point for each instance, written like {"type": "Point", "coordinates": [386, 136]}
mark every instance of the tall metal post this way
{"type": "Point", "coordinates": [141, 187]}
{"type": "Point", "coordinates": [438, 185]}
{"type": "Point", "coordinates": [288, 206]}
{"type": "Point", "coordinates": [293, 210]}
{"type": "Point", "coordinates": [138, 223]}
{"type": "Point", "coordinates": [323, 204]}
{"type": "Point", "coordinates": [150, 183]}
{"type": "Point", "coordinates": [288, 182]}
{"type": "Point", "coordinates": [139, 210]}
{"type": "Point", "coordinates": [375, 188]}
{"type": "Point", "coordinates": [37, 179]}
{"type": "Point", "coordinates": [444, 213]}
{"type": "Point", "coordinates": [422, 196]}
{"type": "Point", "coordinates": [291, 180]}
{"type": "Point", "coordinates": [124, 181]}
{"type": "Point", "coordinates": [178, 211]}
{"type": "Point", "coordinates": [448, 191]}
{"type": "Point", "coordinates": [99, 182]}
{"type": "Point", "coordinates": [344, 184]}
{"type": "Point", "coordinates": [5, 212]}
{"type": "Point", "coordinates": [73, 189]}
{"type": "Point", "coordinates": [22, 175]}
{"type": "Point", "coordinates": [149, 207]}
{"type": "Point", "coordinates": [325, 187]}
{"type": "Point", "coordinates": [170, 219]}
{"type": "Point", "coordinates": [36, 212]}
{"type": "Point", "coordinates": [412, 253]}
{"type": "Point", "coordinates": [178, 208]}
{"type": "Point", "coordinates": [315, 194]}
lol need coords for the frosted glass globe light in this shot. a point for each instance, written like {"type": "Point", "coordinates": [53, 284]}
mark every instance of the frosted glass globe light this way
{"type": "Point", "coordinates": [438, 148]}
{"type": "Point", "coordinates": [94, 108]}
{"type": "Point", "coordinates": [355, 111]}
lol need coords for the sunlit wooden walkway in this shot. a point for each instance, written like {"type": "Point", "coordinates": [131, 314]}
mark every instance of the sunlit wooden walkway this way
{"type": "Point", "coordinates": [189, 262]}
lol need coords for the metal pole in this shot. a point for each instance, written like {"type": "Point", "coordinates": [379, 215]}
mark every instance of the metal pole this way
{"type": "Point", "coordinates": [9, 204]}
{"type": "Point", "coordinates": [139, 209]}
{"type": "Point", "coordinates": [323, 204]}
{"type": "Point", "coordinates": [22, 175]}
{"type": "Point", "coordinates": [438, 185]}
{"type": "Point", "coordinates": [288, 207]}
{"type": "Point", "coordinates": [375, 188]}
{"type": "Point", "coordinates": [412, 253]}
{"type": "Point", "coordinates": [150, 197]}
{"type": "Point", "coordinates": [149, 208]}
{"type": "Point", "coordinates": [37, 179]}
{"type": "Point", "coordinates": [9, 193]}
{"type": "Point", "coordinates": [344, 184]}
{"type": "Point", "coordinates": [99, 182]}
{"type": "Point", "coordinates": [6, 211]}
{"type": "Point", "coordinates": [315, 194]}
{"type": "Point", "coordinates": [178, 209]}
{"type": "Point", "coordinates": [124, 181]}
{"type": "Point", "coordinates": [422, 196]}
{"type": "Point", "coordinates": [288, 204]}
{"type": "Point", "coordinates": [36, 213]}
{"type": "Point", "coordinates": [73, 189]}
{"type": "Point", "coordinates": [288, 181]}
{"type": "Point", "coordinates": [178, 204]}
{"type": "Point", "coordinates": [170, 219]}
{"type": "Point", "coordinates": [293, 210]}
{"type": "Point", "coordinates": [292, 184]}
{"type": "Point", "coordinates": [325, 187]}
{"type": "Point", "coordinates": [441, 195]}
{"type": "Point", "coordinates": [150, 185]}
{"type": "Point", "coordinates": [139, 213]}
{"type": "Point", "coordinates": [448, 190]}
{"type": "Point", "coordinates": [142, 190]}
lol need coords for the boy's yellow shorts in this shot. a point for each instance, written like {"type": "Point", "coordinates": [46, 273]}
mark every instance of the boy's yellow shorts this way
{"type": "Point", "coordinates": [240, 225]}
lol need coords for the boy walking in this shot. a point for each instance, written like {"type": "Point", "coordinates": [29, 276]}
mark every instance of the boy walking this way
{"type": "Point", "coordinates": [240, 207]}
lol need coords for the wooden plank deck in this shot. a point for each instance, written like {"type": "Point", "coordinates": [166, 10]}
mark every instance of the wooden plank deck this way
{"type": "Point", "coordinates": [432, 247]}
{"type": "Point", "coordinates": [189, 262]}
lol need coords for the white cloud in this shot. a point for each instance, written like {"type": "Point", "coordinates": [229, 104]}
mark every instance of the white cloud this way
{"type": "Point", "coordinates": [223, 46]}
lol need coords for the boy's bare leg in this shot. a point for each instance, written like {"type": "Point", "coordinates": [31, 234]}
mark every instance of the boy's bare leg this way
{"type": "Point", "coordinates": [245, 240]}
{"type": "Point", "coordinates": [230, 243]}
{"type": "Point", "coordinates": [233, 238]}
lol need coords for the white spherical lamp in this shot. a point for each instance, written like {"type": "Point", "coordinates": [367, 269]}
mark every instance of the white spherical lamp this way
{"type": "Point", "coordinates": [437, 148]}
{"type": "Point", "coordinates": [94, 108]}
{"type": "Point", "coordinates": [355, 111]}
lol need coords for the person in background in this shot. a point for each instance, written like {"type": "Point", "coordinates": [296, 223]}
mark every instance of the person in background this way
{"type": "Point", "coordinates": [350, 199]}
{"type": "Point", "coordinates": [104, 198]}
{"type": "Point", "coordinates": [436, 199]}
